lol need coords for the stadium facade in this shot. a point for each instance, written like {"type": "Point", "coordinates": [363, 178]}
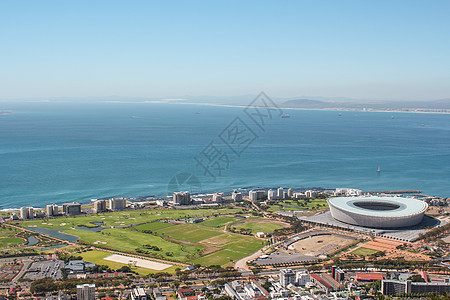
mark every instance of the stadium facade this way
{"type": "Point", "coordinates": [378, 212]}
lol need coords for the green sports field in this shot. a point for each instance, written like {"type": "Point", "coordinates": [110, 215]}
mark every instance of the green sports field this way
{"type": "Point", "coordinates": [10, 241]}
{"type": "Point", "coordinates": [153, 226]}
{"type": "Point", "coordinates": [219, 222]}
{"type": "Point", "coordinates": [259, 226]}
{"type": "Point", "coordinates": [189, 232]}
{"type": "Point", "coordinates": [364, 251]}
{"type": "Point", "coordinates": [291, 205]}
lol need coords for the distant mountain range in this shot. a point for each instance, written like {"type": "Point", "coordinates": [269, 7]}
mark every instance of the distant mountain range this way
{"type": "Point", "coordinates": [337, 103]}
{"type": "Point", "coordinates": [442, 104]}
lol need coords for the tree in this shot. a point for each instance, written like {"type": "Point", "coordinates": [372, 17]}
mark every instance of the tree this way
{"type": "Point", "coordinates": [43, 285]}
{"type": "Point", "coordinates": [416, 278]}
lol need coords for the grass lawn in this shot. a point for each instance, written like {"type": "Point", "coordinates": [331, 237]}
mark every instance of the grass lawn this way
{"type": "Point", "coordinates": [291, 205]}
{"type": "Point", "coordinates": [364, 251]}
{"type": "Point", "coordinates": [97, 257]}
{"type": "Point", "coordinates": [189, 232]}
{"type": "Point", "coordinates": [10, 241]}
{"type": "Point", "coordinates": [234, 247]}
{"type": "Point", "coordinates": [194, 238]}
{"type": "Point", "coordinates": [231, 246]}
{"type": "Point", "coordinates": [129, 240]}
{"type": "Point", "coordinates": [258, 226]}
{"type": "Point", "coordinates": [7, 231]}
{"type": "Point", "coordinates": [124, 218]}
{"type": "Point", "coordinates": [153, 226]}
{"type": "Point", "coordinates": [219, 222]}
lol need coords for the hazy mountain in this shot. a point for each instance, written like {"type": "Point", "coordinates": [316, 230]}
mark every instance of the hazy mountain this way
{"type": "Point", "coordinates": [442, 104]}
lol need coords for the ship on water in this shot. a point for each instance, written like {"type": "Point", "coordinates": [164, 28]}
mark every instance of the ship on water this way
{"type": "Point", "coordinates": [285, 116]}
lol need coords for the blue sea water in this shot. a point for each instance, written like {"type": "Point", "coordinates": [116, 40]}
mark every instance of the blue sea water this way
{"type": "Point", "coordinates": [58, 152]}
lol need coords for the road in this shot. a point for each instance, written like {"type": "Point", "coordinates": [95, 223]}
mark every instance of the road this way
{"type": "Point", "coordinates": [25, 266]}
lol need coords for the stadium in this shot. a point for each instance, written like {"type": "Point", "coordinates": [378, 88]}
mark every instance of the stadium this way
{"type": "Point", "coordinates": [378, 212]}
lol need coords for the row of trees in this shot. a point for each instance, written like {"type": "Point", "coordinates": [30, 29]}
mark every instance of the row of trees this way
{"type": "Point", "coordinates": [48, 285]}
{"type": "Point", "coordinates": [435, 233]}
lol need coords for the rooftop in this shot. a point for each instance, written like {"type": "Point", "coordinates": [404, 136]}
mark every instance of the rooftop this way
{"type": "Point", "coordinates": [379, 206]}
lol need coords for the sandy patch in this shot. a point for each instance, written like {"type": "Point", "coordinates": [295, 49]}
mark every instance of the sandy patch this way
{"type": "Point", "coordinates": [143, 263]}
{"type": "Point", "coordinates": [319, 245]}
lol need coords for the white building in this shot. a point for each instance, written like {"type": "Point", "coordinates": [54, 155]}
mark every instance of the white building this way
{"type": "Point", "coordinates": [302, 278]}
{"type": "Point", "coordinates": [347, 192]}
{"type": "Point", "coordinates": [161, 202]}
{"type": "Point", "coordinates": [287, 276]}
{"type": "Point", "coordinates": [237, 197]}
{"type": "Point", "coordinates": [100, 206]}
{"type": "Point", "coordinates": [311, 194]}
{"type": "Point", "coordinates": [299, 195]}
{"type": "Point", "coordinates": [138, 294]}
{"type": "Point", "coordinates": [217, 197]}
{"type": "Point", "coordinates": [272, 195]}
{"type": "Point", "coordinates": [26, 213]}
{"type": "Point", "coordinates": [378, 212]}
{"type": "Point", "coordinates": [280, 193]}
{"type": "Point", "coordinates": [52, 210]}
{"type": "Point", "coordinates": [86, 292]}
{"type": "Point", "coordinates": [256, 195]}
{"type": "Point", "coordinates": [290, 193]}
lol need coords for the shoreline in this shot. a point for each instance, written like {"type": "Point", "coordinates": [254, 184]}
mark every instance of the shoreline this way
{"type": "Point", "coordinates": [405, 110]}
{"type": "Point", "coordinates": [243, 190]}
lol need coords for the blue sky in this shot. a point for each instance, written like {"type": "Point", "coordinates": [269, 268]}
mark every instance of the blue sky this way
{"type": "Point", "coordinates": [358, 49]}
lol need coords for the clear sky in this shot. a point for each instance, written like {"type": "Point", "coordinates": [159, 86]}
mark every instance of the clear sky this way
{"type": "Point", "coordinates": [360, 49]}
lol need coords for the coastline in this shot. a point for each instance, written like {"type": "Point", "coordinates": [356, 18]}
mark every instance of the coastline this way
{"type": "Point", "coordinates": [405, 110]}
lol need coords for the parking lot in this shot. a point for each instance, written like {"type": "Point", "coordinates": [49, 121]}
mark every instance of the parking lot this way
{"type": "Point", "coordinates": [46, 268]}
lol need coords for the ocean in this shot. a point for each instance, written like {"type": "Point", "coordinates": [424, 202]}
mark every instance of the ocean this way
{"type": "Point", "coordinates": [59, 152]}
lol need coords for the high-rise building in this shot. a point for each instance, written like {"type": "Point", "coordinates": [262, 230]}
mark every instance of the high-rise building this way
{"type": "Point", "coordinates": [302, 278]}
{"type": "Point", "coordinates": [86, 292]}
{"type": "Point", "coordinates": [237, 197]}
{"type": "Point", "coordinates": [280, 193]}
{"type": "Point", "coordinates": [290, 193]}
{"type": "Point", "coordinates": [181, 198]}
{"type": "Point", "coordinates": [26, 213]}
{"type": "Point", "coordinates": [117, 204]}
{"type": "Point", "coordinates": [256, 195]}
{"type": "Point", "coordinates": [395, 287]}
{"type": "Point", "coordinates": [272, 195]}
{"type": "Point", "coordinates": [71, 209]}
{"type": "Point", "coordinates": [337, 274]}
{"type": "Point", "coordinates": [100, 206]}
{"type": "Point", "coordinates": [52, 210]}
{"type": "Point", "coordinates": [287, 276]}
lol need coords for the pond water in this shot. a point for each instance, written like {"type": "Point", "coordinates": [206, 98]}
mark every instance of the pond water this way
{"type": "Point", "coordinates": [91, 229]}
{"type": "Point", "coordinates": [55, 233]}
{"type": "Point", "coordinates": [32, 240]}
{"type": "Point", "coordinates": [97, 223]}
